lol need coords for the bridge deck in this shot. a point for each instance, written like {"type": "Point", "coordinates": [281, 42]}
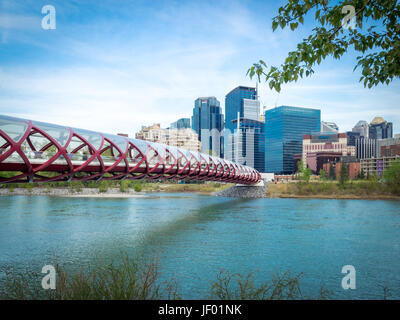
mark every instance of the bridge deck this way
{"type": "Point", "coordinates": [37, 151]}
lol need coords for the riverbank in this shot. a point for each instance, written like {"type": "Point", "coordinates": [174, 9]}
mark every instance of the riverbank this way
{"type": "Point", "coordinates": [363, 190]}
{"type": "Point", "coordinates": [111, 192]}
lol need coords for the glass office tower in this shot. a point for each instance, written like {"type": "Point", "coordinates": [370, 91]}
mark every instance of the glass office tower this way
{"type": "Point", "coordinates": [183, 123]}
{"type": "Point", "coordinates": [208, 122]}
{"type": "Point", "coordinates": [247, 144]}
{"type": "Point", "coordinates": [235, 102]}
{"type": "Point", "coordinates": [380, 129]}
{"type": "Point", "coordinates": [284, 130]}
{"type": "Point", "coordinates": [244, 132]}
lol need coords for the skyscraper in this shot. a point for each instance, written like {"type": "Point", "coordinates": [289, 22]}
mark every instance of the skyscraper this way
{"type": "Point", "coordinates": [284, 130]}
{"type": "Point", "coordinates": [208, 122]}
{"type": "Point", "coordinates": [236, 102]}
{"type": "Point", "coordinates": [183, 123]}
{"type": "Point", "coordinates": [362, 128]}
{"type": "Point", "coordinates": [244, 132]}
{"type": "Point", "coordinates": [329, 127]}
{"type": "Point", "coordinates": [246, 145]}
{"type": "Point", "coordinates": [380, 129]}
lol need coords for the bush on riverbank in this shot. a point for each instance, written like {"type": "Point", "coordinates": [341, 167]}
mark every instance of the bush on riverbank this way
{"type": "Point", "coordinates": [244, 287]}
{"type": "Point", "coordinates": [129, 279]}
{"type": "Point", "coordinates": [124, 185]}
{"type": "Point", "coordinates": [139, 279]}
{"type": "Point", "coordinates": [357, 188]}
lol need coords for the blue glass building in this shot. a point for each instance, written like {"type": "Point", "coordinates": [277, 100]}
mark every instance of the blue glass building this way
{"type": "Point", "coordinates": [208, 123]}
{"type": "Point", "coordinates": [248, 144]}
{"type": "Point", "coordinates": [182, 123]}
{"type": "Point", "coordinates": [234, 103]}
{"type": "Point", "coordinates": [244, 142]}
{"type": "Point", "coordinates": [284, 130]}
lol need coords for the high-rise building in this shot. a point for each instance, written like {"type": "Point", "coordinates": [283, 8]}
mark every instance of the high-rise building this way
{"type": "Point", "coordinates": [365, 148]}
{"type": "Point", "coordinates": [362, 128]}
{"type": "Point", "coordinates": [237, 101]}
{"type": "Point", "coordinates": [380, 129]}
{"type": "Point", "coordinates": [323, 147]}
{"type": "Point", "coordinates": [329, 127]}
{"type": "Point", "coordinates": [208, 123]}
{"type": "Point", "coordinates": [184, 138]}
{"type": "Point", "coordinates": [388, 147]}
{"type": "Point", "coordinates": [153, 133]}
{"type": "Point", "coordinates": [183, 123]}
{"type": "Point", "coordinates": [359, 137]}
{"type": "Point", "coordinates": [244, 134]}
{"type": "Point", "coordinates": [246, 145]}
{"type": "Point", "coordinates": [284, 130]}
{"type": "Point", "coordinates": [352, 137]}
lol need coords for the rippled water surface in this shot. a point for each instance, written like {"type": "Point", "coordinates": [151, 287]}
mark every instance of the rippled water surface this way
{"type": "Point", "coordinates": [195, 236]}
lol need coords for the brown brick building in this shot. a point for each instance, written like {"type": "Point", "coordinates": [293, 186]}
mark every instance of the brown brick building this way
{"type": "Point", "coordinates": [353, 168]}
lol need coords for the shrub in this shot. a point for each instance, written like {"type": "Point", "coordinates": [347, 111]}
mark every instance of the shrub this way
{"type": "Point", "coordinates": [137, 187]}
{"type": "Point", "coordinates": [76, 186]}
{"type": "Point", "coordinates": [103, 186]}
{"type": "Point", "coordinates": [322, 174]}
{"type": "Point", "coordinates": [344, 175]}
{"type": "Point", "coordinates": [124, 186]}
{"type": "Point", "coordinates": [244, 287]}
{"type": "Point", "coordinates": [129, 279]}
{"type": "Point", "coordinates": [392, 177]}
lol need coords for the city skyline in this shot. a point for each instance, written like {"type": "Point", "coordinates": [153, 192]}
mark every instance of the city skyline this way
{"type": "Point", "coordinates": [148, 62]}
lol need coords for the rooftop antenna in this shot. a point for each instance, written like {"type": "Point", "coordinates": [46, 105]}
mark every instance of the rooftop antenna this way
{"type": "Point", "coordinates": [277, 99]}
{"type": "Point", "coordinates": [257, 96]}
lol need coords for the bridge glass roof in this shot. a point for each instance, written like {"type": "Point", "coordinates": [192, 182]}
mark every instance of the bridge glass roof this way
{"type": "Point", "coordinates": [37, 145]}
{"type": "Point", "coordinates": [13, 127]}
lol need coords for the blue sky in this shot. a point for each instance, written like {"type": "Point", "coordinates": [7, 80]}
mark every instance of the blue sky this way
{"type": "Point", "coordinates": [113, 66]}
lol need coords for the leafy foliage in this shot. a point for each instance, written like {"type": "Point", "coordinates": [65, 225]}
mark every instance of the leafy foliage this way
{"type": "Point", "coordinates": [322, 174]}
{"type": "Point", "coordinates": [344, 174]}
{"type": "Point", "coordinates": [392, 176]}
{"type": "Point", "coordinates": [305, 173]}
{"type": "Point", "coordinates": [378, 44]}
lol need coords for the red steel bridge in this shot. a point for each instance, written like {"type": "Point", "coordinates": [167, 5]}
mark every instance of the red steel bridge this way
{"type": "Point", "coordinates": [32, 151]}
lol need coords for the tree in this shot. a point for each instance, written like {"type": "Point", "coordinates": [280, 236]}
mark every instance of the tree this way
{"type": "Point", "coordinates": [322, 174]}
{"type": "Point", "coordinates": [361, 175]}
{"type": "Point", "coordinates": [332, 172]}
{"type": "Point", "coordinates": [375, 35]}
{"type": "Point", "coordinates": [344, 174]}
{"type": "Point", "coordinates": [300, 167]}
{"type": "Point", "coordinates": [392, 176]}
{"type": "Point", "coordinates": [304, 173]}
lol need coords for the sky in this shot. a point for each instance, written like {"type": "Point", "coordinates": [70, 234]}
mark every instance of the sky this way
{"type": "Point", "coordinates": [113, 66]}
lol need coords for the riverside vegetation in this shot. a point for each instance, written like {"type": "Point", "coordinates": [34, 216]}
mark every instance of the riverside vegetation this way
{"type": "Point", "coordinates": [138, 278]}
{"type": "Point", "coordinates": [123, 186]}
{"type": "Point", "coordinates": [364, 187]}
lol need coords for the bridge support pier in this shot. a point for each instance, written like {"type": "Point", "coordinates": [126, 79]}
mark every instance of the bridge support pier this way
{"type": "Point", "coordinates": [257, 190]}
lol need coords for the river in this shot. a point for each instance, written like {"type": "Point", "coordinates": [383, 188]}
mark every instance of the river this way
{"type": "Point", "coordinates": [196, 236]}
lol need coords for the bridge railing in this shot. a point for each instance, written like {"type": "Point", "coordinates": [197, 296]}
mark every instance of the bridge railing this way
{"type": "Point", "coordinates": [32, 149]}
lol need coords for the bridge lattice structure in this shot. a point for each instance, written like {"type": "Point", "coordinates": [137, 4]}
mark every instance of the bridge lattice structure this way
{"type": "Point", "coordinates": [32, 151]}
